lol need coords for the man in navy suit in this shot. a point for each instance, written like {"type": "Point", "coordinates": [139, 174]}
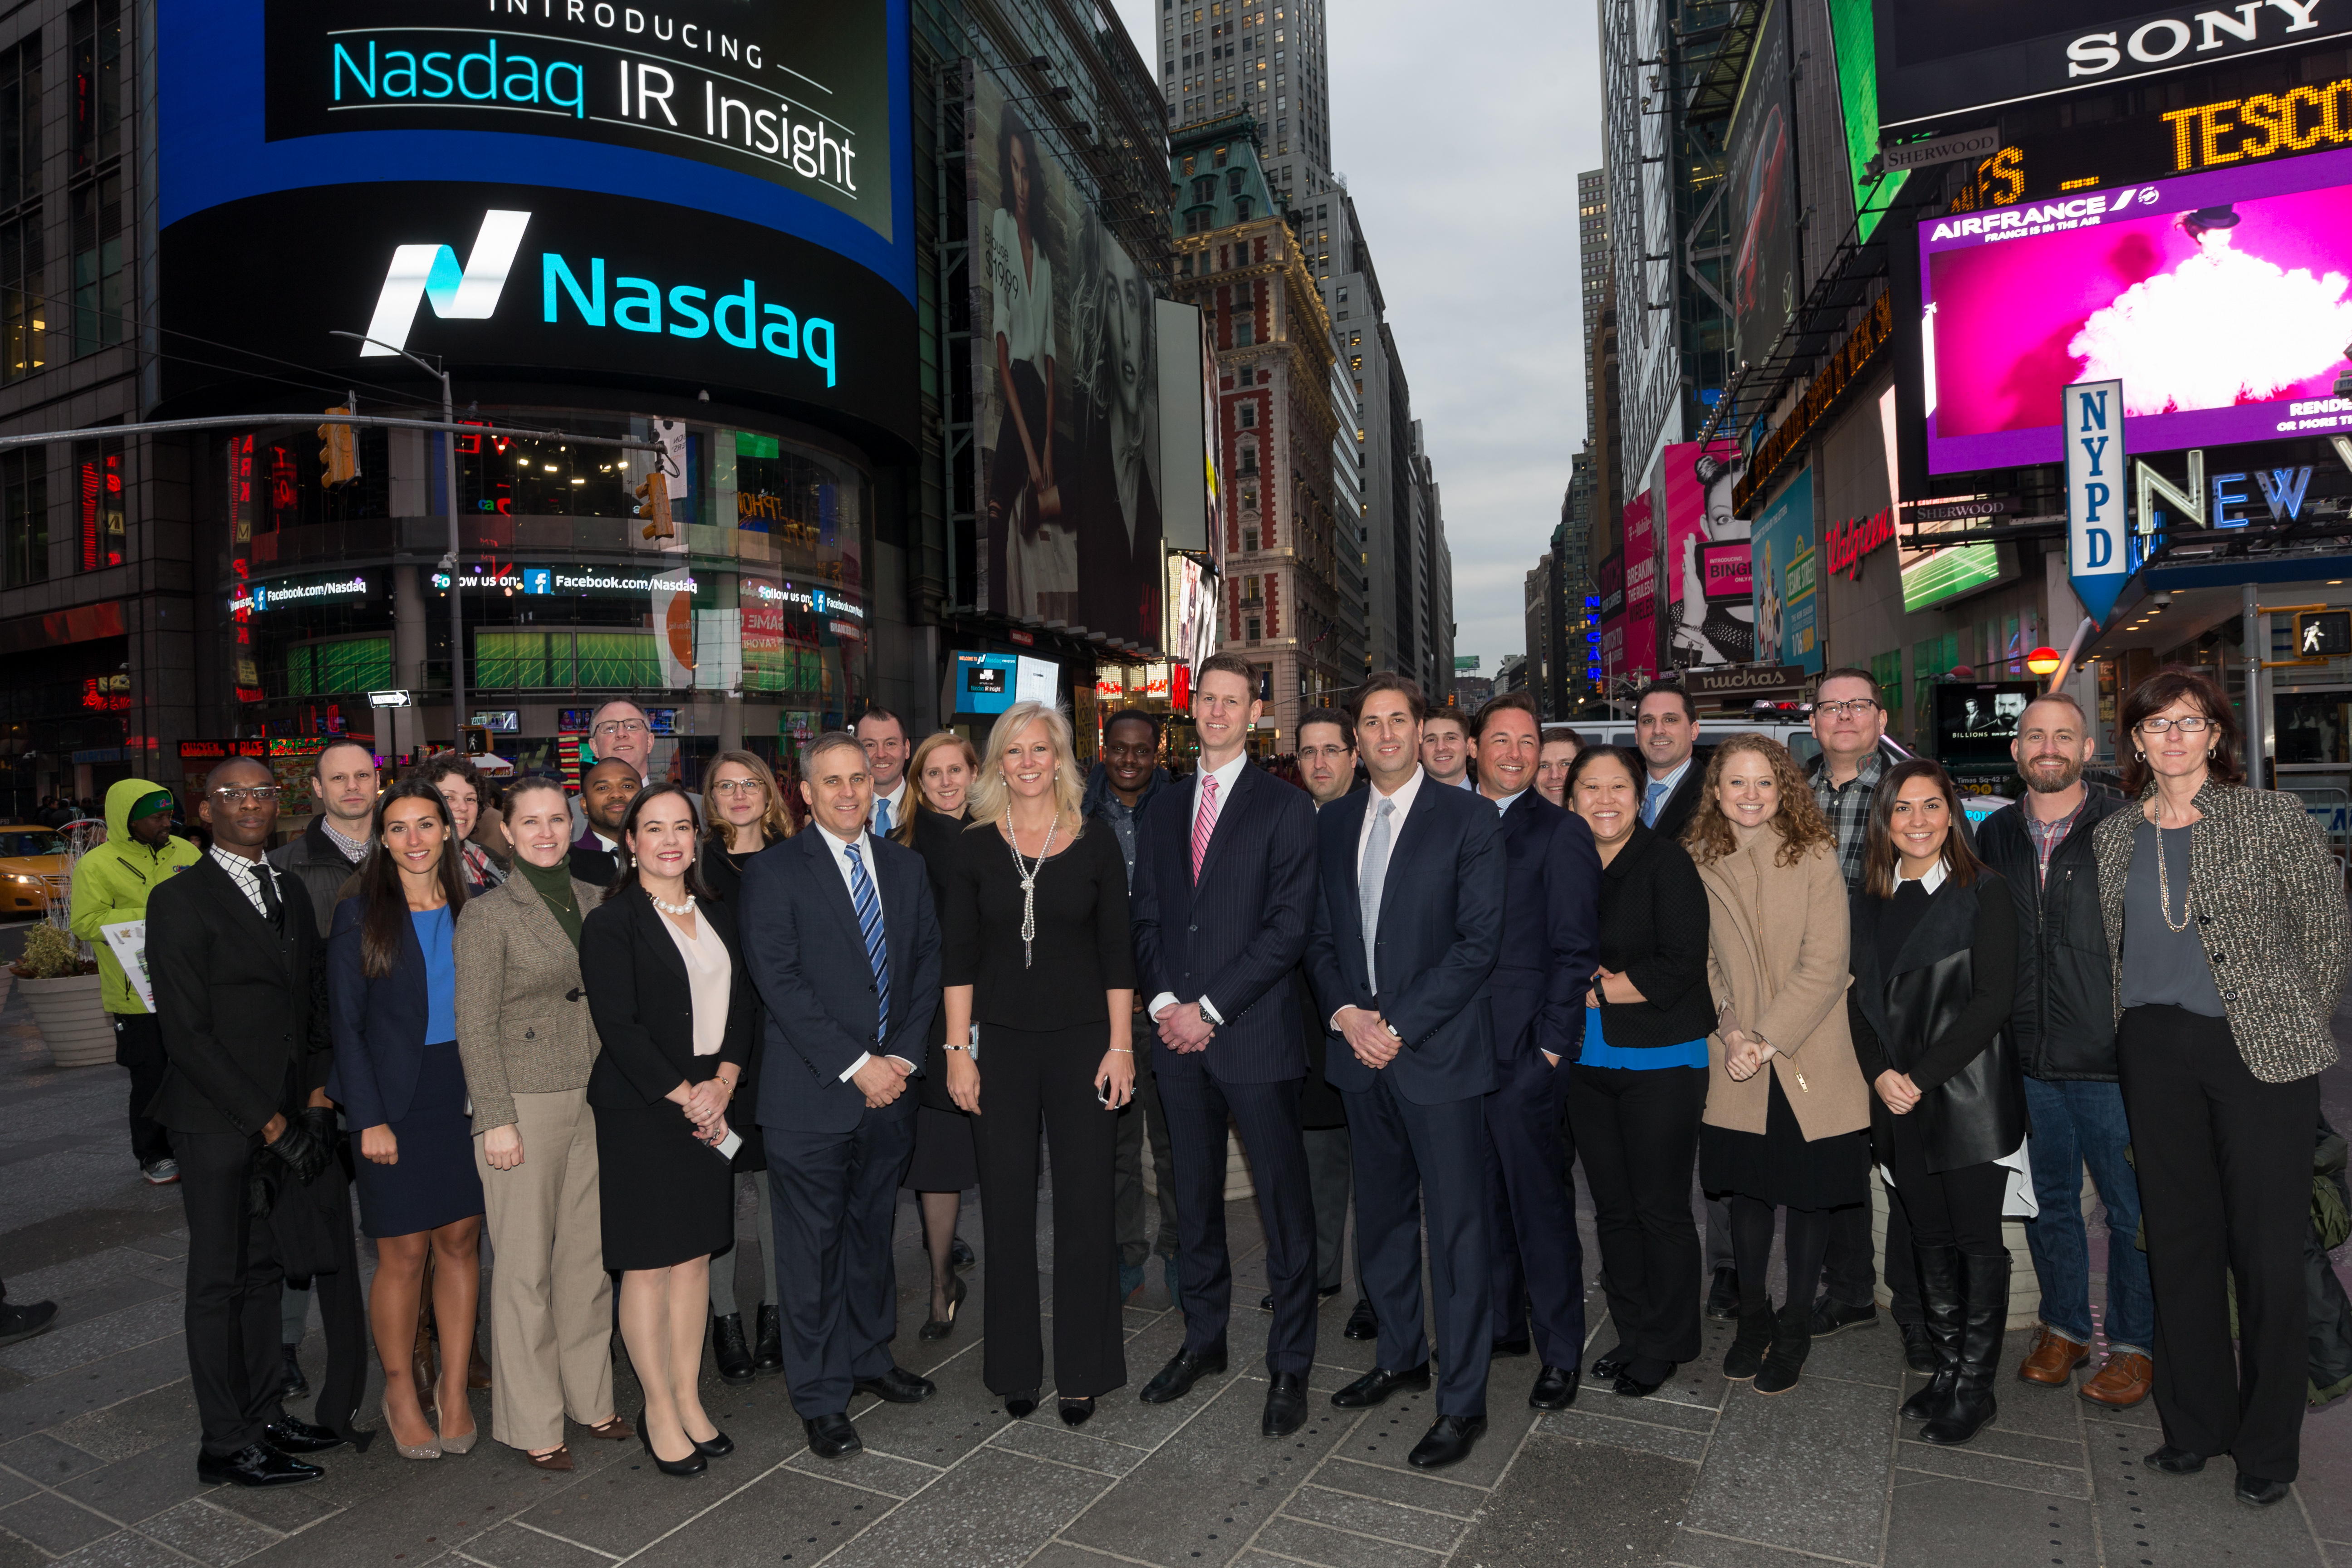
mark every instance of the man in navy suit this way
{"type": "Point", "coordinates": [1224, 887]}
{"type": "Point", "coordinates": [1407, 926]}
{"type": "Point", "coordinates": [838, 929]}
{"type": "Point", "coordinates": [1550, 946]}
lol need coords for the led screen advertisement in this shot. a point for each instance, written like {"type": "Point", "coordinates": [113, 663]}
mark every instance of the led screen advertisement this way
{"type": "Point", "coordinates": [2222, 301]}
{"type": "Point", "coordinates": [1763, 193]}
{"type": "Point", "coordinates": [1707, 626]}
{"type": "Point", "coordinates": [1639, 658]}
{"type": "Point", "coordinates": [1785, 577]}
{"type": "Point", "coordinates": [1067, 400]}
{"type": "Point", "coordinates": [1854, 41]}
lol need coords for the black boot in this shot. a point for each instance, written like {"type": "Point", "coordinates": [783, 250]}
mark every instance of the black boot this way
{"type": "Point", "coordinates": [1793, 1338]}
{"type": "Point", "coordinates": [1939, 1295]}
{"type": "Point", "coordinates": [1985, 1291]}
{"type": "Point", "coordinates": [768, 1355]}
{"type": "Point", "coordinates": [727, 1347]}
{"type": "Point", "coordinates": [1745, 1359]}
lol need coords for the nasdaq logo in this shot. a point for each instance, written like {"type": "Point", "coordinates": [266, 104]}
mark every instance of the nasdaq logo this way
{"type": "Point", "coordinates": [430, 273]}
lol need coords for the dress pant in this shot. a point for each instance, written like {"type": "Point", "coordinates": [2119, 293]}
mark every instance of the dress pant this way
{"type": "Point", "coordinates": [2078, 1122]}
{"type": "Point", "coordinates": [1330, 1177]}
{"type": "Point", "coordinates": [138, 1046]}
{"type": "Point", "coordinates": [1266, 1116]}
{"type": "Point", "coordinates": [1637, 1138]}
{"type": "Point", "coordinates": [836, 1195]}
{"type": "Point", "coordinates": [1143, 1234]}
{"type": "Point", "coordinates": [1410, 1157]}
{"type": "Point", "coordinates": [231, 1315]}
{"type": "Point", "coordinates": [2225, 1194]}
{"type": "Point", "coordinates": [1028, 1079]}
{"type": "Point", "coordinates": [551, 1299]}
{"type": "Point", "coordinates": [1534, 1252]}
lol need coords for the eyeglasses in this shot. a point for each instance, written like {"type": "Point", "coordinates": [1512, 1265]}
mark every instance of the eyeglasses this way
{"type": "Point", "coordinates": [620, 727]}
{"type": "Point", "coordinates": [260, 795]}
{"type": "Point", "coordinates": [1854, 708]}
{"type": "Point", "coordinates": [738, 786]}
{"type": "Point", "coordinates": [2194, 724]}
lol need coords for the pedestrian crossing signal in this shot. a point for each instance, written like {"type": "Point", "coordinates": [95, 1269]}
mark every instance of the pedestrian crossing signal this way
{"type": "Point", "coordinates": [2323, 634]}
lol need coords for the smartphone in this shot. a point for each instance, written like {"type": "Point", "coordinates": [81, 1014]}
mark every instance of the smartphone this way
{"type": "Point", "coordinates": [1102, 1095]}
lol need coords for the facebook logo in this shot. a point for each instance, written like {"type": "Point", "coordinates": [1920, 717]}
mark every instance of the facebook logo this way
{"type": "Point", "coordinates": [539, 579]}
{"type": "Point", "coordinates": [423, 273]}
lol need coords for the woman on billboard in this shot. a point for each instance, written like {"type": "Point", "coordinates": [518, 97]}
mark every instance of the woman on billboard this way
{"type": "Point", "coordinates": [1716, 633]}
{"type": "Point", "coordinates": [1116, 500]}
{"type": "Point", "coordinates": [1025, 503]}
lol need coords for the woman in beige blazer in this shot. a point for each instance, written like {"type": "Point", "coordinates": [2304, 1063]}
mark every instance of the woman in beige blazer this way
{"type": "Point", "coordinates": [527, 1044]}
{"type": "Point", "coordinates": [1786, 1111]}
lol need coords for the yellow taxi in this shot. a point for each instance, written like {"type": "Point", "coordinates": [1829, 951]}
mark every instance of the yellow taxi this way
{"type": "Point", "coordinates": [32, 860]}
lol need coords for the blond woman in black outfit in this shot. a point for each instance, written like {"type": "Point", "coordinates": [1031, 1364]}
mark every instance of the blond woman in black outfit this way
{"type": "Point", "coordinates": [1038, 956]}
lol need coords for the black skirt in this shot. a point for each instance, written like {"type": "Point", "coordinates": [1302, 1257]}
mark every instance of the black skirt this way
{"type": "Point", "coordinates": [947, 1159]}
{"type": "Point", "coordinates": [667, 1196]}
{"type": "Point", "coordinates": [1777, 1166]}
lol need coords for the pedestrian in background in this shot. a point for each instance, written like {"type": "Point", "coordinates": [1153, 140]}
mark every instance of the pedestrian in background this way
{"type": "Point", "coordinates": [461, 786]}
{"type": "Point", "coordinates": [1326, 766]}
{"type": "Point", "coordinates": [1558, 752]}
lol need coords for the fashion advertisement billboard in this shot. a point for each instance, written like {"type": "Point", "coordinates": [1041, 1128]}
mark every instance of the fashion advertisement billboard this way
{"type": "Point", "coordinates": [2222, 301]}
{"type": "Point", "coordinates": [1639, 658]}
{"type": "Point", "coordinates": [1067, 400]}
{"type": "Point", "coordinates": [1786, 573]}
{"type": "Point", "coordinates": [1763, 193]}
{"type": "Point", "coordinates": [1705, 628]}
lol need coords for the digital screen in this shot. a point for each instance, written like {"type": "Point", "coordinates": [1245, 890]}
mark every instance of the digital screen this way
{"type": "Point", "coordinates": [1975, 722]}
{"type": "Point", "coordinates": [662, 720]}
{"type": "Point", "coordinates": [984, 682]}
{"type": "Point", "coordinates": [1763, 192]}
{"type": "Point", "coordinates": [2222, 301]}
{"type": "Point", "coordinates": [1036, 681]}
{"type": "Point", "coordinates": [571, 720]}
{"type": "Point", "coordinates": [498, 721]}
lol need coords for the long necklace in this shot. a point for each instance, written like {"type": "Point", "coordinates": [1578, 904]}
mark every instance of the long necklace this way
{"type": "Point", "coordinates": [1028, 875]}
{"type": "Point", "coordinates": [2164, 884]}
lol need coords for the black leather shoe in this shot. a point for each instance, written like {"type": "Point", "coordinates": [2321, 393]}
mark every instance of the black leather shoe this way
{"type": "Point", "coordinates": [1448, 1442]}
{"type": "Point", "coordinates": [1184, 1369]}
{"type": "Point", "coordinates": [1836, 1316]}
{"type": "Point", "coordinates": [1502, 1348]}
{"type": "Point", "coordinates": [729, 1349]}
{"type": "Point", "coordinates": [1019, 1405]}
{"type": "Point", "coordinates": [2174, 1461]}
{"type": "Point", "coordinates": [1377, 1384]}
{"type": "Point", "coordinates": [1642, 1378]}
{"type": "Point", "coordinates": [1362, 1323]}
{"type": "Point", "coordinates": [1918, 1348]}
{"type": "Point", "coordinates": [295, 1382]}
{"type": "Point", "coordinates": [1077, 1412]}
{"type": "Point", "coordinates": [830, 1436]}
{"type": "Point", "coordinates": [1608, 1363]}
{"type": "Point", "coordinates": [960, 1254]}
{"type": "Point", "coordinates": [1265, 1302]}
{"type": "Point", "coordinates": [898, 1386]}
{"type": "Point", "coordinates": [1286, 1406]}
{"type": "Point", "coordinates": [1555, 1388]}
{"type": "Point", "coordinates": [1723, 1296]}
{"type": "Point", "coordinates": [694, 1464]}
{"type": "Point", "coordinates": [256, 1464]}
{"type": "Point", "coordinates": [2256, 1492]}
{"type": "Point", "coordinates": [716, 1447]}
{"type": "Point", "coordinates": [288, 1436]}
{"type": "Point", "coordinates": [768, 1353]}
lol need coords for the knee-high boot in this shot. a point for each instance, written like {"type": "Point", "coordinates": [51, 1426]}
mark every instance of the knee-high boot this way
{"type": "Point", "coordinates": [1940, 1294]}
{"type": "Point", "coordinates": [1985, 1288]}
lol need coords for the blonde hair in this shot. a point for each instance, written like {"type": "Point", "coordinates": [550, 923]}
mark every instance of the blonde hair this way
{"type": "Point", "coordinates": [776, 822]}
{"type": "Point", "coordinates": [904, 832]}
{"type": "Point", "coordinates": [992, 798]}
{"type": "Point", "coordinates": [1802, 828]}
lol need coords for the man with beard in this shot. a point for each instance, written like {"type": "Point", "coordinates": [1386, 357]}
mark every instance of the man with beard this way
{"type": "Point", "coordinates": [2063, 1023]}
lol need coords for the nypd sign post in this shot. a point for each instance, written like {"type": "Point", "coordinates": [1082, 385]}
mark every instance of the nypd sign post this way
{"type": "Point", "coordinates": [2092, 415]}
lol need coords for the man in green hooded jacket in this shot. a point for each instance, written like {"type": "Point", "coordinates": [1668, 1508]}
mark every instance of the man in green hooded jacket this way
{"type": "Point", "coordinates": [111, 885]}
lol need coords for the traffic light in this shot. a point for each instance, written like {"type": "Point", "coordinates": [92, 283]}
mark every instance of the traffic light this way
{"type": "Point", "coordinates": [654, 493]}
{"type": "Point", "coordinates": [339, 452]}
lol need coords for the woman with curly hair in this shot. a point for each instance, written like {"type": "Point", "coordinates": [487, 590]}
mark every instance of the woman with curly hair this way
{"type": "Point", "coordinates": [1786, 1105]}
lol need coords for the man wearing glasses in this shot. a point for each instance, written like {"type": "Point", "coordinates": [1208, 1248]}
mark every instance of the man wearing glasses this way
{"type": "Point", "coordinates": [619, 731]}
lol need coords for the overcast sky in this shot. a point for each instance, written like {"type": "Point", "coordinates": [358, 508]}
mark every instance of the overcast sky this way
{"type": "Point", "coordinates": [1462, 154]}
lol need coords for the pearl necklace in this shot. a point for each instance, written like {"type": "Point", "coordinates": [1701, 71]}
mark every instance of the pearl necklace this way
{"type": "Point", "coordinates": [1028, 875]}
{"type": "Point", "coordinates": [685, 908]}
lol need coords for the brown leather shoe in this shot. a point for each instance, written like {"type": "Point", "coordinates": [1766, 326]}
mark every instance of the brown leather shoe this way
{"type": "Point", "coordinates": [558, 1459]}
{"type": "Point", "coordinates": [2122, 1382]}
{"type": "Point", "coordinates": [2052, 1360]}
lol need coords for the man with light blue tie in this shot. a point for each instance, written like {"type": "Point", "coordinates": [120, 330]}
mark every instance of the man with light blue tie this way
{"type": "Point", "coordinates": [1665, 723]}
{"type": "Point", "coordinates": [884, 735]}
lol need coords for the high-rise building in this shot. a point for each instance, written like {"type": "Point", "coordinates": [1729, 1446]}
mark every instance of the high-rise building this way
{"type": "Point", "coordinates": [1267, 59]}
{"type": "Point", "coordinates": [1592, 271]}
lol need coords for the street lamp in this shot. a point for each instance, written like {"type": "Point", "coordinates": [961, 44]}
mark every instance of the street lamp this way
{"type": "Point", "coordinates": [449, 561]}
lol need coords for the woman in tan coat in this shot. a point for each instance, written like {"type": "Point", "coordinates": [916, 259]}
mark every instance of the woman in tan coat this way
{"type": "Point", "coordinates": [1786, 1111]}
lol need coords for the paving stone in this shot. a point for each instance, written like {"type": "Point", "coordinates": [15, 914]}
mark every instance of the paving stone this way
{"type": "Point", "coordinates": [1296, 1538]}
{"type": "Point", "coordinates": [125, 1549]}
{"type": "Point", "coordinates": [45, 1460]}
{"type": "Point", "coordinates": [991, 1512]}
{"type": "Point", "coordinates": [52, 1523]}
{"type": "Point", "coordinates": [1604, 1425]}
{"type": "Point", "coordinates": [14, 1486]}
{"type": "Point", "coordinates": [511, 1546]}
{"type": "Point", "coordinates": [1697, 1548]}
{"type": "Point", "coordinates": [1380, 1520]}
{"type": "Point", "coordinates": [1970, 1463]}
{"type": "Point", "coordinates": [1437, 1490]}
{"type": "Point", "coordinates": [876, 1472]}
{"type": "Point", "coordinates": [208, 1534]}
{"type": "Point", "coordinates": [2188, 1521]}
{"type": "Point", "coordinates": [1066, 1447]}
{"type": "Point", "coordinates": [135, 1425]}
{"type": "Point", "coordinates": [1565, 1495]}
{"type": "Point", "coordinates": [1836, 1435]}
{"type": "Point", "coordinates": [1936, 1523]}
{"type": "Point", "coordinates": [129, 1490]}
{"type": "Point", "coordinates": [52, 1401]}
{"type": "Point", "coordinates": [16, 1553]}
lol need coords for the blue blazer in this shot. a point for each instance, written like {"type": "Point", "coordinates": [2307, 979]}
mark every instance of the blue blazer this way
{"type": "Point", "coordinates": [1552, 941]}
{"type": "Point", "coordinates": [1235, 937]}
{"type": "Point", "coordinates": [379, 1023]}
{"type": "Point", "coordinates": [807, 958]}
{"type": "Point", "coordinates": [1441, 928]}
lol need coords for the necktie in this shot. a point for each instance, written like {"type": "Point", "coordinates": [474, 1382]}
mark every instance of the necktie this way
{"type": "Point", "coordinates": [1375, 872]}
{"type": "Point", "coordinates": [1205, 822]}
{"type": "Point", "coordinates": [869, 924]}
{"type": "Point", "coordinates": [881, 817]}
{"type": "Point", "coordinates": [273, 909]}
{"type": "Point", "coordinates": [1651, 802]}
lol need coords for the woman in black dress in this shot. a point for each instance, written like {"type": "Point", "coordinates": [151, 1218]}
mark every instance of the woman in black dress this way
{"type": "Point", "coordinates": [673, 1007]}
{"type": "Point", "coordinates": [746, 815]}
{"type": "Point", "coordinates": [1037, 955]}
{"type": "Point", "coordinates": [947, 1157]}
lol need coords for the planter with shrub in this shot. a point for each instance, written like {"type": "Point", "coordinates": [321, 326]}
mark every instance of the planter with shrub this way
{"type": "Point", "coordinates": [62, 988]}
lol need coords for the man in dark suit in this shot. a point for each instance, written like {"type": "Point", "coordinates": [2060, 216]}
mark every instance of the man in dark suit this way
{"type": "Point", "coordinates": [233, 951]}
{"type": "Point", "coordinates": [604, 797]}
{"type": "Point", "coordinates": [1225, 886]}
{"type": "Point", "coordinates": [1550, 946]}
{"type": "Point", "coordinates": [1666, 726]}
{"type": "Point", "coordinates": [1407, 922]}
{"type": "Point", "coordinates": [840, 937]}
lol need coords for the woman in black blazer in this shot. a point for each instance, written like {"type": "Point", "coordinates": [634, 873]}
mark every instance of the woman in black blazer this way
{"type": "Point", "coordinates": [392, 986]}
{"type": "Point", "coordinates": [946, 1162]}
{"type": "Point", "coordinates": [1639, 1086]}
{"type": "Point", "coordinates": [673, 1006]}
{"type": "Point", "coordinates": [1934, 973]}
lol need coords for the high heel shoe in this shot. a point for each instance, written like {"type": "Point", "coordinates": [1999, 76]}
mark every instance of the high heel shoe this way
{"type": "Point", "coordinates": [464, 1445]}
{"type": "Point", "coordinates": [1077, 1412]}
{"type": "Point", "coordinates": [716, 1447]}
{"type": "Point", "coordinates": [431, 1450]}
{"type": "Point", "coordinates": [940, 1328]}
{"type": "Point", "coordinates": [1019, 1405]}
{"type": "Point", "coordinates": [693, 1464]}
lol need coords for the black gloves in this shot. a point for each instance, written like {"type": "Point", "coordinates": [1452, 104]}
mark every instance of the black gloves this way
{"type": "Point", "coordinates": [306, 1144]}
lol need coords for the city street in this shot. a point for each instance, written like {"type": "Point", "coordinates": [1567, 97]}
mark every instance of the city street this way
{"type": "Point", "coordinates": [97, 1440]}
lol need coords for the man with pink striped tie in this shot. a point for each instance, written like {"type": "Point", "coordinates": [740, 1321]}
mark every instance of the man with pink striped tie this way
{"type": "Point", "coordinates": [1225, 888]}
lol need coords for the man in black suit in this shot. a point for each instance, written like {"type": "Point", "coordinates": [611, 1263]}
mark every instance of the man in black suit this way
{"type": "Point", "coordinates": [1551, 944]}
{"type": "Point", "coordinates": [1407, 926]}
{"type": "Point", "coordinates": [233, 951]}
{"type": "Point", "coordinates": [1666, 726]}
{"type": "Point", "coordinates": [1225, 886]}
{"type": "Point", "coordinates": [604, 797]}
{"type": "Point", "coordinates": [840, 937]}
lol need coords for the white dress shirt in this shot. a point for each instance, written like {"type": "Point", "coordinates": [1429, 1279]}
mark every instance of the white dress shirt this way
{"type": "Point", "coordinates": [897, 799]}
{"type": "Point", "coordinates": [1672, 782]}
{"type": "Point", "coordinates": [1930, 882]}
{"type": "Point", "coordinates": [1225, 776]}
{"type": "Point", "coordinates": [248, 874]}
{"type": "Point", "coordinates": [840, 848]}
{"type": "Point", "coordinates": [1404, 799]}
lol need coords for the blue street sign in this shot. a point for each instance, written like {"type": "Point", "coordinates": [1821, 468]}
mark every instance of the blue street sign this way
{"type": "Point", "coordinates": [2091, 415]}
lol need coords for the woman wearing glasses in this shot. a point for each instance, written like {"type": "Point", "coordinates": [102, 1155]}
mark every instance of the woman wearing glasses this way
{"type": "Point", "coordinates": [2226, 935]}
{"type": "Point", "coordinates": [746, 815]}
